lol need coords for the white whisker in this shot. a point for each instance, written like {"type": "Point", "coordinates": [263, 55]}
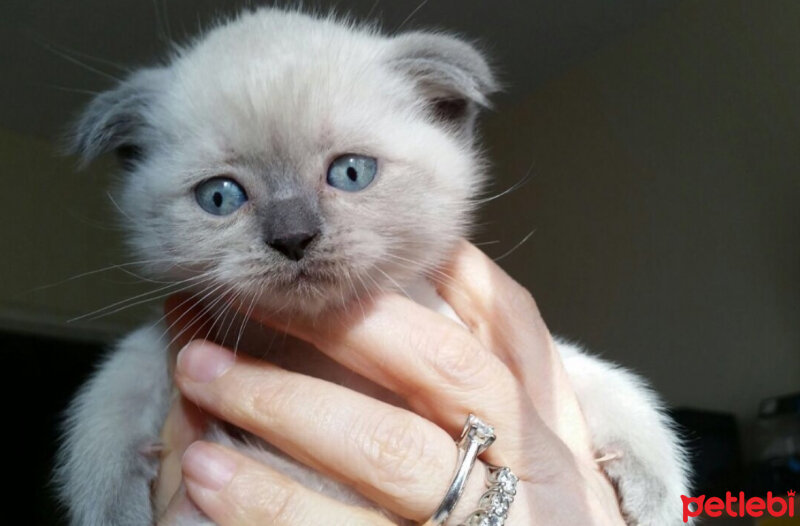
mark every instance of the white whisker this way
{"type": "Point", "coordinates": [396, 284]}
{"type": "Point", "coordinates": [205, 310]}
{"type": "Point", "coordinates": [147, 296]}
{"type": "Point", "coordinates": [244, 322]}
{"type": "Point", "coordinates": [515, 247]}
{"type": "Point", "coordinates": [514, 187]}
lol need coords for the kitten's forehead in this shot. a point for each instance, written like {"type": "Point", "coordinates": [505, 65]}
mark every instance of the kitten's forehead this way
{"type": "Point", "coordinates": [284, 80]}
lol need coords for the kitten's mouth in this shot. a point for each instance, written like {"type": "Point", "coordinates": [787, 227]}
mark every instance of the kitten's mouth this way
{"type": "Point", "coordinates": [297, 277]}
{"type": "Point", "coordinates": [308, 286]}
{"type": "Point", "coordinates": [306, 275]}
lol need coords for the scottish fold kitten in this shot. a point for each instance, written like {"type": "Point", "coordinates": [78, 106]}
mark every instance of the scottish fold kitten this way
{"type": "Point", "coordinates": [298, 162]}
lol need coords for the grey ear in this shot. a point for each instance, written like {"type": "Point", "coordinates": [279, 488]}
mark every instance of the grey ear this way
{"type": "Point", "coordinates": [117, 120]}
{"type": "Point", "coordinates": [450, 73]}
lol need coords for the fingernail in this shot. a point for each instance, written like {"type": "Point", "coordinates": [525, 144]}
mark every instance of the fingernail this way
{"type": "Point", "coordinates": [203, 362]}
{"type": "Point", "coordinates": [207, 466]}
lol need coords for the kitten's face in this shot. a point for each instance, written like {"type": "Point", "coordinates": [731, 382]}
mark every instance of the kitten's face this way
{"type": "Point", "coordinates": [297, 162]}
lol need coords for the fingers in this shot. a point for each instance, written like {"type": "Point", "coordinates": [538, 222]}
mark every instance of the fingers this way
{"type": "Point", "coordinates": [186, 320]}
{"type": "Point", "coordinates": [503, 315]}
{"type": "Point", "coordinates": [184, 424]}
{"type": "Point", "coordinates": [439, 368]}
{"type": "Point", "coordinates": [234, 490]}
{"type": "Point", "coordinates": [390, 455]}
{"type": "Point", "coordinates": [178, 509]}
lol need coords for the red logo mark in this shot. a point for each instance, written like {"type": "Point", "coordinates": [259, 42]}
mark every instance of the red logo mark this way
{"type": "Point", "coordinates": [739, 506]}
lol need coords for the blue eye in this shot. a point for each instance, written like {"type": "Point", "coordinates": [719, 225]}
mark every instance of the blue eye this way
{"type": "Point", "coordinates": [351, 172]}
{"type": "Point", "coordinates": [220, 196]}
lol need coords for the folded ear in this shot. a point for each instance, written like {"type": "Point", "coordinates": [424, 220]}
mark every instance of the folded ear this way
{"type": "Point", "coordinates": [452, 75]}
{"type": "Point", "coordinates": [117, 120]}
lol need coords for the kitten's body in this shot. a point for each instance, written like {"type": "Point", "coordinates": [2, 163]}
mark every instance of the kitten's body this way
{"type": "Point", "coordinates": [268, 100]}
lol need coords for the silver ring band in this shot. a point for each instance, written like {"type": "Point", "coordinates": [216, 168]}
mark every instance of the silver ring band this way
{"type": "Point", "coordinates": [476, 437]}
{"type": "Point", "coordinates": [495, 503]}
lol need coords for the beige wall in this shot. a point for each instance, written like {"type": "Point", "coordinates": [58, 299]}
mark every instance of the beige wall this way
{"type": "Point", "coordinates": [666, 202]}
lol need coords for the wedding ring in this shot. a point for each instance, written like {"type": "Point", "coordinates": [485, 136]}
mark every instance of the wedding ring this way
{"type": "Point", "coordinates": [493, 506]}
{"type": "Point", "coordinates": [476, 437]}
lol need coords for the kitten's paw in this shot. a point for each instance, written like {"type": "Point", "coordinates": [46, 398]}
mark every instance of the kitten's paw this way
{"type": "Point", "coordinates": [636, 443]}
{"type": "Point", "coordinates": [149, 452]}
{"type": "Point", "coordinates": [152, 449]}
{"type": "Point", "coordinates": [647, 497]}
{"type": "Point", "coordinates": [109, 455]}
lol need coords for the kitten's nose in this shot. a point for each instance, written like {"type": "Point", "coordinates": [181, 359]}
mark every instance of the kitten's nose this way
{"type": "Point", "coordinates": [294, 246]}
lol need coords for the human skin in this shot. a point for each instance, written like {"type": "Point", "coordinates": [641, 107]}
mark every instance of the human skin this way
{"type": "Point", "coordinates": [502, 367]}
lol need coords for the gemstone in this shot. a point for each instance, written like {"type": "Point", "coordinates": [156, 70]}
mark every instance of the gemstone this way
{"type": "Point", "coordinates": [479, 431]}
{"type": "Point", "coordinates": [504, 479]}
{"type": "Point", "coordinates": [481, 518]}
{"type": "Point", "coordinates": [496, 502]}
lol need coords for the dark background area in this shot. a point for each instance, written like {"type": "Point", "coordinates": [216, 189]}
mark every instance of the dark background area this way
{"type": "Point", "coordinates": [42, 375]}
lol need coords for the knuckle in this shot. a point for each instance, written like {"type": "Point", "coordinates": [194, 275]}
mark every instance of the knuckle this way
{"type": "Point", "coordinates": [459, 358]}
{"type": "Point", "coordinates": [395, 450]}
{"type": "Point", "coordinates": [516, 296]}
{"type": "Point", "coordinates": [265, 401]}
{"type": "Point", "coordinates": [280, 505]}
{"type": "Point", "coordinates": [520, 301]}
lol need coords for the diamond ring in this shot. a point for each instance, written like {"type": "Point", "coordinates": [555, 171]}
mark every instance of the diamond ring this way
{"type": "Point", "coordinates": [495, 503]}
{"type": "Point", "coordinates": [476, 437]}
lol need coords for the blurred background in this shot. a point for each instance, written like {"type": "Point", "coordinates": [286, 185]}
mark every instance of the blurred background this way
{"type": "Point", "coordinates": [662, 143]}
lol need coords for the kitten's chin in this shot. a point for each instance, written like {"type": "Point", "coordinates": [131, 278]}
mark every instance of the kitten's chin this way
{"type": "Point", "coordinates": [288, 303]}
{"type": "Point", "coordinates": [307, 294]}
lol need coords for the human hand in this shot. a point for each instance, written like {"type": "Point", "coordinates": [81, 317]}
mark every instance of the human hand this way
{"type": "Point", "coordinates": [503, 368]}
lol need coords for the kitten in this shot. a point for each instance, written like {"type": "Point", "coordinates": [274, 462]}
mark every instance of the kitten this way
{"type": "Point", "coordinates": [298, 162]}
